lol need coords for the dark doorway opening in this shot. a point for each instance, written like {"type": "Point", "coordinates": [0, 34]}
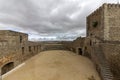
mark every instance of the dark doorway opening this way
{"type": "Point", "coordinates": [22, 50]}
{"type": "Point", "coordinates": [80, 51]}
{"type": "Point", "coordinates": [7, 68]}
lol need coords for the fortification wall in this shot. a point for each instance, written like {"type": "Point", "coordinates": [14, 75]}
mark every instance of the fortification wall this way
{"type": "Point", "coordinates": [95, 23]}
{"type": "Point", "coordinates": [78, 44]}
{"type": "Point", "coordinates": [53, 46]}
{"type": "Point", "coordinates": [87, 47]}
{"type": "Point", "coordinates": [112, 53]}
{"type": "Point", "coordinates": [9, 53]}
{"type": "Point", "coordinates": [112, 22]}
{"type": "Point", "coordinates": [68, 45]}
{"type": "Point", "coordinates": [15, 48]}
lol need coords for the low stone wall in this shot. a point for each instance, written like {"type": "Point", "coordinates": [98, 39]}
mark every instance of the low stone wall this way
{"type": "Point", "coordinates": [56, 46]}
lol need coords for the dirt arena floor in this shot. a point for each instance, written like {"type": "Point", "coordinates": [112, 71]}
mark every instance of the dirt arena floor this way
{"type": "Point", "coordinates": [54, 65]}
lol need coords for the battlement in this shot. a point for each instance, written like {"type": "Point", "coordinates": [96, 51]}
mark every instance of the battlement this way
{"type": "Point", "coordinates": [97, 11]}
{"type": "Point", "coordinates": [112, 5]}
{"type": "Point", "coordinates": [100, 9]}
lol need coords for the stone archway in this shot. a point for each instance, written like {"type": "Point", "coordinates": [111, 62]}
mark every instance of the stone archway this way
{"type": "Point", "coordinates": [7, 67]}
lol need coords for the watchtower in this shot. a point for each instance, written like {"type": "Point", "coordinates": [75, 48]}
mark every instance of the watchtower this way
{"type": "Point", "coordinates": [105, 22]}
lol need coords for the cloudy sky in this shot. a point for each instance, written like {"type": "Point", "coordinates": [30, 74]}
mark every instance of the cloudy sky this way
{"type": "Point", "coordinates": [48, 19]}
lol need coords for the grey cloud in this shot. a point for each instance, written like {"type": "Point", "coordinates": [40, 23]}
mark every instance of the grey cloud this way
{"type": "Point", "coordinates": [58, 19]}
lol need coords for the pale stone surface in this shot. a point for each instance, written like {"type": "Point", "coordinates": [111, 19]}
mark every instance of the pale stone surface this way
{"type": "Point", "coordinates": [55, 65]}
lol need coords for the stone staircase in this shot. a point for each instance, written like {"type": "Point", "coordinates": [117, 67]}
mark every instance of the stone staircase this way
{"type": "Point", "coordinates": [105, 70]}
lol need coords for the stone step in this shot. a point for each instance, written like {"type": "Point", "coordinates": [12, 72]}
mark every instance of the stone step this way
{"type": "Point", "coordinates": [107, 74]}
{"type": "Point", "coordinates": [108, 77]}
{"type": "Point", "coordinates": [104, 70]}
{"type": "Point", "coordinates": [105, 67]}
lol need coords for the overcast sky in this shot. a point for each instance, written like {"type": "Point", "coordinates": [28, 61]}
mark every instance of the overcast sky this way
{"type": "Point", "coordinates": [48, 19]}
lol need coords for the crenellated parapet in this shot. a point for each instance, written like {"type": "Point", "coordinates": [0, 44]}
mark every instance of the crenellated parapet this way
{"type": "Point", "coordinates": [100, 9]}
{"type": "Point", "coordinates": [113, 5]}
{"type": "Point", "coordinates": [96, 12]}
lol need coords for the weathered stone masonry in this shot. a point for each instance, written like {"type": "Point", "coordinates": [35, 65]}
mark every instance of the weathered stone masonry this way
{"type": "Point", "coordinates": [103, 30]}
{"type": "Point", "coordinates": [14, 49]}
{"type": "Point", "coordinates": [102, 43]}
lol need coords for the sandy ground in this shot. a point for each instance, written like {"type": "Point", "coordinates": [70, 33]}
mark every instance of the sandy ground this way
{"type": "Point", "coordinates": [54, 65]}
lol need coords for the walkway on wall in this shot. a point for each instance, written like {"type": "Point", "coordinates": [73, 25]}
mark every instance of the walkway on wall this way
{"type": "Point", "coordinates": [103, 64]}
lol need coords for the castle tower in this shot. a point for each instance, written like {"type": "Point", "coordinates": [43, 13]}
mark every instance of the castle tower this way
{"type": "Point", "coordinates": [104, 23]}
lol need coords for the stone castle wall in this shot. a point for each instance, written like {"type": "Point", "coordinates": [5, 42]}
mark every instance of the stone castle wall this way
{"type": "Point", "coordinates": [106, 34]}
{"type": "Point", "coordinates": [112, 22]}
{"type": "Point", "coordinates": [104, 22]}
{"type": "Point", "coordinates": [75, 45]}
{"type": "Point", "coordinates": [68, 45]}
{"type": "Point", "coordinates": [15, 47]}
{"type": "Point", "coordinates": [49, 45]}
{"type": "Point", "coordinates": [78, 45]}
{"type": "Point", "coordinates": [112, 53]}
{"type": "Point", "coordinates": [95, 23]}
{"type": "Point", "coordinates": [102, 29]}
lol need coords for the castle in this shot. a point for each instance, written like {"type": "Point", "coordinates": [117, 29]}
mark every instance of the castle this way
{"type": "Point", "coordinates": [101, 45]}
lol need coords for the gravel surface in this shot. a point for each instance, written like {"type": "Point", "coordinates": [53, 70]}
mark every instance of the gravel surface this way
{"type": "Point", "coordinates": [55, 65]}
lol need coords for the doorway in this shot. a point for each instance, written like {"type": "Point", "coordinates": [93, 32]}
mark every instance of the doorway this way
{"type": "Point", "coordinates": [80, 52]}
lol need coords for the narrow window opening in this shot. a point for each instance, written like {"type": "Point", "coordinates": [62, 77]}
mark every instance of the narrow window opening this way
{"type": "Point", "coordinates": [90, 43]}
{"type": "Point", "coordinates": [29, 48]}
{"type": "Point", "coordinates": [80, 51]}
{"type": "Point", "coordinates": [22, 50]}
{"type": "Point", "coordinates": [20, 39]}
